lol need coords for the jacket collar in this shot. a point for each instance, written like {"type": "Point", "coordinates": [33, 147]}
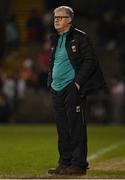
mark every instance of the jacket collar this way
{"type": "Point", "coordinates": [56, 35]}
{"type": "Point", "coordinates": [69, 32]}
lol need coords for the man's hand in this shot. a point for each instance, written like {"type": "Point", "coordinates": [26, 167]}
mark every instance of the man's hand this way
{"type": "Point", "coordinates": [77, 85]}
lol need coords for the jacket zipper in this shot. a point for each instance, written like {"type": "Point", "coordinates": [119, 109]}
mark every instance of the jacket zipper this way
{"type": "Point", "coordinates": [67, 49]}
{"type": "Point", "coordinates": [61, 41]}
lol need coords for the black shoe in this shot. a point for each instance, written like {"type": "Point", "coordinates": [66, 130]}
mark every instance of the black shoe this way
{"type": "Point", "coordinates": [74, 170]}
{"type": "Point", "coordinates": [59, 170]}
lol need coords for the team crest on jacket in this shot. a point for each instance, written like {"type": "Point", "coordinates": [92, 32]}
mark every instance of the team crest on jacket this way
{"type": "Point", "coordinates": [73, 48]}
{"type": "Point", "coordinates": [77, 108]}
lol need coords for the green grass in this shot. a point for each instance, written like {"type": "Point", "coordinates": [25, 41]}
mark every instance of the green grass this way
{"type": "Point", "coordinates": [28, 151]}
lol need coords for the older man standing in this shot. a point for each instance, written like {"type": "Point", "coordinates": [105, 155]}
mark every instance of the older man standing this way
{"type": "Point", "coordinates": [74, 73]}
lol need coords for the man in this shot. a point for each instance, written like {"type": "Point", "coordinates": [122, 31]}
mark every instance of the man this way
{"type": "Point", "coordinates": [74, 73]}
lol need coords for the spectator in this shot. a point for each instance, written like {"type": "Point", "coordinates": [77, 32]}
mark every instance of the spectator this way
{"type": "Point", "coordinates": [42, 65]}
{"type": "Point", "coordinates": [9, 89]}
{"type": "Point", "coordinates": [36, 31]}
{"type": "Point", "coordinates": [107, 31]}
{"type": "Point", "coordinates": [12, 34]}
{"type": "Point", "coordinates": [121, 30]}
{"type": "Point", "coordinates": [121, 43]}
{"type": "Point", "coordinates": [117, 100]}
{"type": "Point", "coordinates": [5, 111]}
{"type": "Point", "coordinates": [1, 83]}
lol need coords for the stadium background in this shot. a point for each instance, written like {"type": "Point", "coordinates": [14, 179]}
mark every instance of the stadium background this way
{"type": "Point", "coordinates": [25, 27]}
{"type": "Point", "coordinates": [28, 137]}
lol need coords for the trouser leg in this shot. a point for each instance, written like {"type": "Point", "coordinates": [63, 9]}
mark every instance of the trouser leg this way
{"type": "Point", "coordinates": [75, 107]}
{"type": "Point", "coordinates": [62, 129]}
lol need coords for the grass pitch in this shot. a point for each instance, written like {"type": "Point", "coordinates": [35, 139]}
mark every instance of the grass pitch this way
{"type": "Point", "coordinates": [28, 151]}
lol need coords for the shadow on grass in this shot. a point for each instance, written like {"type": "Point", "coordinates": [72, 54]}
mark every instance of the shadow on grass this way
{"type": "Point", "coordinates": [99, 174]}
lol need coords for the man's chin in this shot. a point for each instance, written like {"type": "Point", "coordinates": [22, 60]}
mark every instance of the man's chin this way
{"type": "Point", "coordinates": [58, 29]}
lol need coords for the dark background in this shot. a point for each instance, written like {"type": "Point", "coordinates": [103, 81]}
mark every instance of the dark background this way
{"type": "Point", "coordinates": [25, 27]}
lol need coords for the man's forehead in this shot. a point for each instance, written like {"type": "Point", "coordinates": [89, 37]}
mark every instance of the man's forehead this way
{"type": "Point", "coordinates": [60, 12]}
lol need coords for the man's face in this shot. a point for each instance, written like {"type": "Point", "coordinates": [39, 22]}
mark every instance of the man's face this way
{"type": "Point", "coordinates": [61, 21]}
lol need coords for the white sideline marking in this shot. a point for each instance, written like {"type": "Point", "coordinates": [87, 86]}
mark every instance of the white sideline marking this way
{"type": "Point", "coordinates": [104, 151]}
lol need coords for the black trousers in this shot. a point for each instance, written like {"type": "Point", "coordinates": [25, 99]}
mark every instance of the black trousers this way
{"type": "Point", "coordinates": [71, 126]}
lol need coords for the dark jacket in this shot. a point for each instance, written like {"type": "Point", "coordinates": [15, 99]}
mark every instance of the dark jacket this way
{"type": "Point", "coordinates": [83, 59]}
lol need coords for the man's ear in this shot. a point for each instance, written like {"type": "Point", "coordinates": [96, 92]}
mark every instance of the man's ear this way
{"type": "Point", "coordinates": [70, 22]}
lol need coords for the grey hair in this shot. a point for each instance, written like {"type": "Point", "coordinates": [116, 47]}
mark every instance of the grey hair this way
{"type": "Point", "coordinates": [67, 9]}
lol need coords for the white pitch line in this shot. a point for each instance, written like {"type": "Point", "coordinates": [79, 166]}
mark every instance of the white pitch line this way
{"type": "Point", "coordinates": [104, 151]}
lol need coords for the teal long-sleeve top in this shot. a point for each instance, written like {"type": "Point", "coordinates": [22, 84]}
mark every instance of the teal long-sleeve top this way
{"type": "Point", "coordinates": [63, 72]}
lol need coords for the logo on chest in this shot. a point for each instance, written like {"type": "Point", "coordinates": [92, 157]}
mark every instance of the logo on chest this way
{"type": "Point", "coordinates": [73, 46]}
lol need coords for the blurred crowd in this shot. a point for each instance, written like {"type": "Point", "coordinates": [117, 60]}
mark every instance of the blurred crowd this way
{"type": "Point", "coordinates": [22, 71]}
{"type": "Point", "coordinates": [17, 76]}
